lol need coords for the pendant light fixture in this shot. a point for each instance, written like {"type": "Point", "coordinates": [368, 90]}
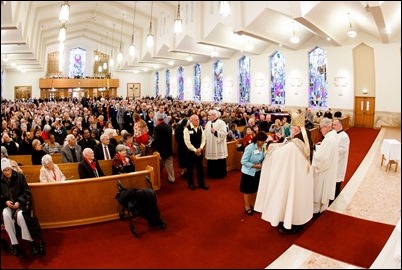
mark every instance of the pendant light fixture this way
{"type": "Point", "coordinates": [294, 39]}
{"type": "Point", "coordinates": [105, 63]}
{"type": "Point", "coordinates": [351, 33]}
{"type": "Point", "coordinates": [62, 33]}
{"type": "Point", "coordinates": [224, 8]}
{"type": "Point", "coordinates": [178, 23]}
{"type": "Point", "coordinates": [111, 60]}
{"type": "Point", "coordinates": [150, 37]}
{"type": "Point", "coordinates": [131, 50]}
{"type": "Point", "coordinates": [64, 12]}
{"type": "Point", "coordinates": [120, 54]}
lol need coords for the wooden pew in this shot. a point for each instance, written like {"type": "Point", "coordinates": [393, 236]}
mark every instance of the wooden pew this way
{"type": "Point", "coordinates": [315, 134]}
{"type": "Point", "coordinates": [27, 160]}
{"type": "Point", "coordinates": [70, 170]}
{"type": "Point", "coordinates": [345, 122]}
{"type": "Point", "coordinates": [82, 201]}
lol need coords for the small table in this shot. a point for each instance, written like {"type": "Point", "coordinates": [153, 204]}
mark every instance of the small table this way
{"type": "Point", "coordinates": [391, 152]}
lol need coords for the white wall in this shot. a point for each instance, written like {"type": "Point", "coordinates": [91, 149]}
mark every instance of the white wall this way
{"type": "Point", "coordinates": [340, 64]}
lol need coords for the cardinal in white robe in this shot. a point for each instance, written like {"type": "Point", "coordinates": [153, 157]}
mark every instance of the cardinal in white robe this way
{"type": "Point", "coordinates": [285, 192]}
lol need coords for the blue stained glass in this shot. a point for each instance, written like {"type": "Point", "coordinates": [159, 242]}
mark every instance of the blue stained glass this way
{"type": "Point", "coordinates": [218, 80]}
{"type": "Point", "coordinates": [197, 82]}
{"type": "Point", "coordinates": [244, 80]}
{"type": "Point", "coordinates": [77, 62]}
{"type": "Point", "coordinates": [318, 85]}
{"type": "Point", "coordinates": [167, 83]}
{"type": "Point", "coordinates": [156, 83]}
{"type": "Point", "coordinates": [180, 84]}
{"type": "Point", "coordinates": [277, 61]}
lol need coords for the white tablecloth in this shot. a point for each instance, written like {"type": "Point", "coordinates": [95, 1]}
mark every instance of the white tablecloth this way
{"type": "Point", "coordinates": [391, 149]}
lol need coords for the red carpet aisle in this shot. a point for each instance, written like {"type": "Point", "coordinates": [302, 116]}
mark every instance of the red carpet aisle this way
{"type": "Point", "coordinates": [361, 140]}
{"type": "Point", "coordinates": [345, 238]}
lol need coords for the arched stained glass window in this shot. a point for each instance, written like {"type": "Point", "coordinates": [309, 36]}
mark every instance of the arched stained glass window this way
{"type": "Point", "coordinates": [77, 62]}
{"type": "Point", "coordinates": [156, 78]}
{"type": "Point", "coordinates": [244, 79]}
{"type": "Point", "coordinates": [197, 82]}
{"type": "Point", "coordinates": [318, 88]}
{"type": "Point", "coordinates": [218, 80]}
{"type": "Point", "coordinates": [180, 83]}
{"type": "Point", "coordinates": [167, 83]}
{"type": "Point", "coordinates": [277, 61]}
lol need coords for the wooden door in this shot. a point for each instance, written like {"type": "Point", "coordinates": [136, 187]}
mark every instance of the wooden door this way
{"type": "Point", "coordinates": [364, 112]}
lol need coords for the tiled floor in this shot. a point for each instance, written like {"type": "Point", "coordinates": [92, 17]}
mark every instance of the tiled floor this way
{"type": "Point", "coordinates": [371, 194]}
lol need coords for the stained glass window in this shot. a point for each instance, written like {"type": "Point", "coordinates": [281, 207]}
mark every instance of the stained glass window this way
{"type": "Point", "coordinates": [197, 82]}
{"type": "Point", "coordinates": [277, 61]}
{"type": "Point", "coordinates": [244, 79]}
{"type": "Point", "coordinates": [318, 88]}
{"type": "Point", "coordinates": [77, 62]}
{"type": "Point", "coordinates": [156, 78]}
{"type": "Point", "coordinates": [180, 83]}
{"type": "Point", "coordinates": [167, 83]}
{"type": "Point", "coordinates": [218, 80]}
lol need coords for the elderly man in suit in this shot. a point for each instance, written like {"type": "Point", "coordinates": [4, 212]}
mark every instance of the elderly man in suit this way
{"type": "Point", "coordinates": [89, 166]}
{"type": "Point", "coordinates": [104, 150]}
{"type": "Point", "coordinates": [72, 152]}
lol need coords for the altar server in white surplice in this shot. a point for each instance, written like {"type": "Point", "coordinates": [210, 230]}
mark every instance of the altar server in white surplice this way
{"type": "Point", "coordinates": [285, 192]}
{"type": "Point", "coordinates": [216, 150]}
{"type": "Point", "coordinates": [325, 165]}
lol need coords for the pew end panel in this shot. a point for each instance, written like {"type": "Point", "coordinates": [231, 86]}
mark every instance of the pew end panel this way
{"type": "Point", "coordinates": [153, 160]}
{"type": "Point", "coordinates": [84, 201]}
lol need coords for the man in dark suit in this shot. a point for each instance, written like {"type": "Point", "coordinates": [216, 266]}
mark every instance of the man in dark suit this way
{"type": "Point", "coordinates": [144, 112]}
{"type": "Point", "coordinates": [86, 140]}
{"type": "Point", "coordinates": [128, 119]}
{"type": "Point", "coordinates": [89, 166]}
{"type": "Point", "coordinates": [104, 150]}
{"type": "Point", "coordinates": [162, 142]}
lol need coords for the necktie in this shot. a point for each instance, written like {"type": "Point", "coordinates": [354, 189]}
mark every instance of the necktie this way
{"type": "Point", "coordinates": [107, 156]}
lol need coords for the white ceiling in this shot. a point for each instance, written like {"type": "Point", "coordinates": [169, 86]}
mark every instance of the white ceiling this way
{"type": "Point", "coordinates": [29, 29]}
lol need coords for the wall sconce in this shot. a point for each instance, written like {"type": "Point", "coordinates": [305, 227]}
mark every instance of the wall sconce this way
{"type": "Point", "coordinates": [259, 82]}
{"type": "Point", "coordinates": [64, 12]}
{"type": "Point", "coordinates": [178, 23]}
{"type": "Point", "coordinates": [365, 91]}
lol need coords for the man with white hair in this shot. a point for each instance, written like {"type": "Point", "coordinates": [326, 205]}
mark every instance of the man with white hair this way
{"type": "Point", "coordinates": [72, 152]}
{"type": "Point", "coordinates": [104, 150]}
{"type": "Point", "coordinates": [325, 166]}
{"type": "Point", "coordinates": [216, 150]}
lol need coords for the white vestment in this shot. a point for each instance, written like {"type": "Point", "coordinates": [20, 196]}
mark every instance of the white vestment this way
{"type": "Point", "coordinates": [285, 192]}
{"type": "Point", "coordinates": [325, 165]}
{"type": "Point", "coordinates": [344, 143]}
{"type": "Point", "coordinates": [216, 147]}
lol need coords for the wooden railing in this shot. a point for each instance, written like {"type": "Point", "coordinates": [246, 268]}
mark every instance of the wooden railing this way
{"type": "Point", "coordinates": [82, 201]}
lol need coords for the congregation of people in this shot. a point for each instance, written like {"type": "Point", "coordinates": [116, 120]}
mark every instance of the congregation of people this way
{"type": "Point", "coordinates": [284, 176]}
